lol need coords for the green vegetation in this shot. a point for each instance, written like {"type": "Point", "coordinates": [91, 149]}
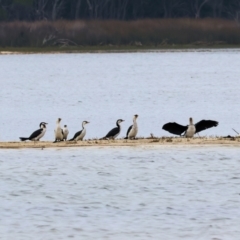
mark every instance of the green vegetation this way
{"type": "Point", "coordinates": [111, 49]}
{"type": "Point", "coordinates": [117, 35]}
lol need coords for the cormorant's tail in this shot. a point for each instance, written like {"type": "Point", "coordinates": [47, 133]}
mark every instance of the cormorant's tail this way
{"type": "Point", "coordinates": [23, 139]}
{"type": "Point", "coordinates": [126, 138]}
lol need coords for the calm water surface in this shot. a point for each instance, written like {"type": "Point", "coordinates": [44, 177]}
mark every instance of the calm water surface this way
{"type": "Point", "coordinates": [121, 193]}
{"type": "Point", "coordinates": [100, 88]}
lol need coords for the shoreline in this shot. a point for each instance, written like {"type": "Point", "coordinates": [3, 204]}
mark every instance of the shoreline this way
{"type": "Point", "coordinates": [117, 49]}
{"type": "Point", "coordinates": [165, 141]}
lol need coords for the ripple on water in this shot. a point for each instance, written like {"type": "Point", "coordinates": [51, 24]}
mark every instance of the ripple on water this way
{"type": "Point", "coordinates": [162, 193]}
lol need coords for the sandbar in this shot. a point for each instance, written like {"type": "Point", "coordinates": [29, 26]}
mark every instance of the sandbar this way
{"type": "Point", "coordinates": [163, 141]}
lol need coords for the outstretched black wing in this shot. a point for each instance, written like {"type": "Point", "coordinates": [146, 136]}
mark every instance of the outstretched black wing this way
{"type": "Point", "coordinates": [174, 128]}
{"type": "Point", "coordinates": [205, 124]}
{"type": "Point", "coordinates": [129, 129]}
{"type": "Point", "coordinates": [112, 133]}
{"type": "Point", "coordinates": [35, 134]}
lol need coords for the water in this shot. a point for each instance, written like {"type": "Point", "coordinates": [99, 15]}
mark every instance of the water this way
{"type": "Point", "coordinates": [100, 88]}
{"type": "Point", "coordinates": [164, 192]}
{"type": "Point", "coordinates": [120, 193]}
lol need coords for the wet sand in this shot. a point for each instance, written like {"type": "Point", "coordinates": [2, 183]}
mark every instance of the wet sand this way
{"type": "Point", "coordinates": [168, 141]}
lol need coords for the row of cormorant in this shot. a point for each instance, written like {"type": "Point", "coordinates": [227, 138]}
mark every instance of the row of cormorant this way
{"type": "Point", "coordinates": [172, 127]}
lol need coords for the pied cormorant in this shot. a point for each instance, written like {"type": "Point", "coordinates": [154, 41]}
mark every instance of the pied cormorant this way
{"type": "Point", "coordinates": [81, 134]}
{"type": "Point", "coordinates": [58, 131]}
{"type": "Point", "coordinates": [65, 132]}
{"type": "Point", "coordinates": [115, 131]}
{"type": "Point", "coordinates": [133, 129]}
{"type": "Point", "coordinates": [38, 134]}
{"type": "Point", "coordinates": [190, 129]}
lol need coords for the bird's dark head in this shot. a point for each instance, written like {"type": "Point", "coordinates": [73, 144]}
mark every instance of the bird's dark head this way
{"type": "Point", "coordinates": [190, 120]}
{"type": "Point", "coordinates": [59, 120]}
{"type": "Point", "coordinates": [85, 122]}
{"type": "Point", "coordinates": [65, 126]}
{"type": "Point", "coordinates": [119, 121]}
{"type": "Point", "coordinates": [136, 116]}
{"type": "Point", "coordinates": [41, 124]}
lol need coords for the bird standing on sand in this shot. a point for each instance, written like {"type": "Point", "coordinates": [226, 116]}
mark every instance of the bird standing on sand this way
{"type": "Point", "coordinates": [115, 131]}
{"type": "Point", "coordinates": [133, 129]}
{"type": "Point", "coordinates": [58, 131]}
{"type": "Point", "coordinates": [190, 129]}
{"type": "Point", "coordinates": [81, 134]}
{"type": "Point", "coordinates": [38, 134]}
{"type": "Point", "coordinates": [65, 132]}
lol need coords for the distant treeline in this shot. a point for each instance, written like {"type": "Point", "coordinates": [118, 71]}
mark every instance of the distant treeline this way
{"type": "Point", "coordinates": [158, 32]}
{"type": "Point", "coordinates": [35, 10]}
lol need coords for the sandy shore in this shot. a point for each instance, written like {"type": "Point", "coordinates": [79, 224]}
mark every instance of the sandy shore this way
{"type": "Point", "coordinates": [168, 141]}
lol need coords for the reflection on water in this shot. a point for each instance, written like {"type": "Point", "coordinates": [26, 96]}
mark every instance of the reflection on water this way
{"type": "Point", "coordinates": [120, 193]}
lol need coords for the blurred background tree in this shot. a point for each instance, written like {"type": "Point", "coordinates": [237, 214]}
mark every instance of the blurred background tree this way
{"type": "Point", "coordinates": [31, 10]}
